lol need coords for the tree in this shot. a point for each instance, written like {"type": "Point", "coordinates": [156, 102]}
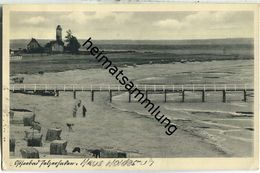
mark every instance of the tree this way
{"type": "Point", "coordinates": [72, 42]}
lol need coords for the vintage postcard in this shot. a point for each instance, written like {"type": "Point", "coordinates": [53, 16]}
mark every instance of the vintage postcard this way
{"type": "Point", "coordinates": [130, 87]}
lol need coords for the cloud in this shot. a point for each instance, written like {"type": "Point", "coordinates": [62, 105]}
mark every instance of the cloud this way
{"type": "Point", "coordinates": [136, 25]}
{"type": "Point", "coordinates": [198, 19]}
{"type": "Point", "coordinates": [34, 20]}
{"type": "Point", "coordinates": [207, 20]}
{"type": "Point", "coordinates": [168, 23]}
{"type": "Point", "coordinates": [77, 17]}
{"type": "Point", "coordinates": [99, 16]}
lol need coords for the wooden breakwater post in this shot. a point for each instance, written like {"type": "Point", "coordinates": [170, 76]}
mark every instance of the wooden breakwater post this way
{"type": "Point", "coordinates": [146, 94]}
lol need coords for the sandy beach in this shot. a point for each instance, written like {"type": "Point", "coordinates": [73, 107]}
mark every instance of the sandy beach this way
{"type": "Point", "coordinates": [210, 129]}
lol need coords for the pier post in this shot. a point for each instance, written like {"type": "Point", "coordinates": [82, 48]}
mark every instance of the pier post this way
{"type": "Point", "coordinates": [74, 95]}
{"type": "Point", "coordinates": [203, 96]}
{"type": "Point", "coordinates": [244, 96]}
{"type": "Point", "coordinates": [146, 94]}
{"type": "Point", "coordinates": [129, 97]}
{"type": "Point", "coordinates": [92, 95]}
{"type": "Point", "coordinates": [224, 96]}
{"type": "Point", "coordinates": [165, 95]}
{"type": "Point", "coordinates": [110, 95]}
{"type": "Point", "coordinates": [183, 96]}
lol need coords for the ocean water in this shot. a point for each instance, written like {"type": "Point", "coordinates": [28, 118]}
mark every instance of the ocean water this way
{"type": "Point", "coordinates": [210, 46]}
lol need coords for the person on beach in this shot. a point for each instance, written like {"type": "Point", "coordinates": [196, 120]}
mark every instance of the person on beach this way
{"type": "Point", "coordinates": [77, 104]}
{"type": "Point", "coordinates": [74, 111]}
{"type": "Point", "coordinates": [84, 110]}
{"type": "Point", "coordinates": [77, 109]}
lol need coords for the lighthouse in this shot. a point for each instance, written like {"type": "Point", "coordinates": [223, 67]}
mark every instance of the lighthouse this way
{"type": "Point", "coordinates": [56, 46]}
{"type": "Point", "coordinates": [58, 33]}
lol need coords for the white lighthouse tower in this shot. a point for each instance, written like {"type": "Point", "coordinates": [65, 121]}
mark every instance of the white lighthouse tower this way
{"type": "Point", "coordinates": [58, 33]}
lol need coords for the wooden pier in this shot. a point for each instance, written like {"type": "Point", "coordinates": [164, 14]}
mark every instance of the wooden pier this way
{"type": "Point", "coordinates": [145, 89]}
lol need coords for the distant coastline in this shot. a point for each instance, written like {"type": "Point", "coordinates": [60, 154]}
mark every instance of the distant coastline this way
{"type": "Point", "coordinates": [223, 41]}
{"type": "Point", "coordinates": [134, 52]}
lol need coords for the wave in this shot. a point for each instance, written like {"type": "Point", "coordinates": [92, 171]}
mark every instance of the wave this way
{"type": "Point", "coordinates": [210, 139]}
{"type": "Point", "coordinates": [130, 111]}
{"type": "Point", "coordinates": [194, 111]}
{"type": "Point", "coordinates": [187, 125]}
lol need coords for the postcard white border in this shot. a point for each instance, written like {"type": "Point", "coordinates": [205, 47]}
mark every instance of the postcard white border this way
{"type": "Point", "coordinates": [159, 163]}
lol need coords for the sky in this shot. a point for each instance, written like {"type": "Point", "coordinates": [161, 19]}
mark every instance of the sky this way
{"type": "Point", "coordinates": [134, 25]}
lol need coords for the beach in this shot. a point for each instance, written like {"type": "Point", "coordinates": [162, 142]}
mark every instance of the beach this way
{"type": "Point", "coordinates": [208, 129]}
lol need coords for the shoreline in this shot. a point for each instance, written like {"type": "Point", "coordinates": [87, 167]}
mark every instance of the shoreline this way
{"type": "Point", "coordinates": [108, 127]}
{"type": "Point", "coordinates": [199, 121]}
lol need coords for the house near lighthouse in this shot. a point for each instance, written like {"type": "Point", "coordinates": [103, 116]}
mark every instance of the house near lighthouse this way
{"type": "Point", "coordinates": [34, 47]}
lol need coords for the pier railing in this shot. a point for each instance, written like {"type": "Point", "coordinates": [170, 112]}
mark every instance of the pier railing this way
{"type": "Point", "coordinates": [102, 87]}
{"type": "Point", "coordinates": [163, 89]}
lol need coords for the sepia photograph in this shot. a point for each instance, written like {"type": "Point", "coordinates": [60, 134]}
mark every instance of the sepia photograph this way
{"type": "Point", "coordinates": [121, 82]}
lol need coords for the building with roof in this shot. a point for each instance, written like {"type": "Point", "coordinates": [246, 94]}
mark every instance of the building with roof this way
{"type": "Point", "coordinates": [33, 46]}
